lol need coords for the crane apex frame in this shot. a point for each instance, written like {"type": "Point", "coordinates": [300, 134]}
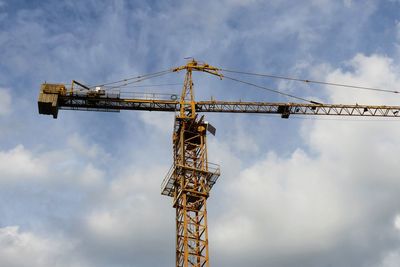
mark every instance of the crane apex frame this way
{"type": "Point", "coordinates": [191, 176]}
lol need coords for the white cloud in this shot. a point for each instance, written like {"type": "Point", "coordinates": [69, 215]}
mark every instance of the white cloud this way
{"type": "Point", "coordinates": [20, 163]}
{"type": "Point", "coordinates": [397, 45]}
{"type": "Point", "coordinates": [288, 201]}
{"type": "Point", "coordinates": [87, 149]}
{"type": "Point", "coordinates": [316, 199]}
{"type": "Point", "coordinates": [397, 222]}
{"type": "Point", "coordinates": [20, 249]}
{"type": "Point", "coordinates": [131, 214]}
{"type": "Point", "coordinates": [348, 3]}
{"type": "Point", "coordinates": [391, 259]}
{"type": "Point", "coordinates": [370, 71]}
{"type": "Point", "coordinates": [240, 2]}
{"type": "Point", "coordinates": [51, 168]}
{"type": "Point", "coordinates": [161, 122]}
{"type": "Point", "coordinates": [131, 200]}
{"type": "Point", "coordinates": [91, 177]}
{"type": "Point", "coordinates": [5, 102]}
{"type": "Point", "coordinates": [243, 140]}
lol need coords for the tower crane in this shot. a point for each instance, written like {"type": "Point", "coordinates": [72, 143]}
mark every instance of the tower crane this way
{"type": "Point", "coordinates": [191, 177]}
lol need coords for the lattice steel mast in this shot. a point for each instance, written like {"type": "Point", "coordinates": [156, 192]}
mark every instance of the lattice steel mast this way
{"type": "Point", "coordinates": [190, 180]}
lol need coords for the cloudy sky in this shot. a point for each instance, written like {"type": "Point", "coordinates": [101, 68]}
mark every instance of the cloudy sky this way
{"type": "Point", "coordinates": [84, 190]}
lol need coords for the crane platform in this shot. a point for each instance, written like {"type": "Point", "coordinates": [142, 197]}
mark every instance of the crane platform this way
{"type": "Point", "coordinates": [168, 184]}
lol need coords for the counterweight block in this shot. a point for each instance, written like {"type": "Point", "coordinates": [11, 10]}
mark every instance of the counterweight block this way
{"type": "Point", "coordinates": [48, 98]}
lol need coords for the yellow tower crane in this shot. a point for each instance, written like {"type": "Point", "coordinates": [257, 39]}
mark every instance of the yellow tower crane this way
{"type": "Point", "coordinates": [191, 176]}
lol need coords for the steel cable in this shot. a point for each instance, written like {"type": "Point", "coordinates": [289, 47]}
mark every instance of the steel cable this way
{"type": "Point", "coordinates": [313, 81]}
{"type": "Point", "coordinates": [139, 78]}
{"type": "Point", "coordinates": [271, 90]}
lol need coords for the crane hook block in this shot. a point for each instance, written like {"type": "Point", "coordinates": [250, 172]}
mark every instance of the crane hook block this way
{"type": "Point", "coordinates": [48, 98]}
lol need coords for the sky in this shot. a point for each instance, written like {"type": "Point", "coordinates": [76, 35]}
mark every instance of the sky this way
{"type": "Point", "coordinates": [84, 190]}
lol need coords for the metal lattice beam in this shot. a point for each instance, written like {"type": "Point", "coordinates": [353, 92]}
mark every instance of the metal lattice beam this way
{"type": "Point", "coordinates": [284, 109]}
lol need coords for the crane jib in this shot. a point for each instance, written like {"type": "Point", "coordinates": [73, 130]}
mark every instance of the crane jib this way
{"type": "Point", "coordinates": [54, 97]}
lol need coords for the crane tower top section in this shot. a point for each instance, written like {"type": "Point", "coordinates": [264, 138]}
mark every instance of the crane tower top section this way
{"type": "Point", "coordinates": [187, 102]}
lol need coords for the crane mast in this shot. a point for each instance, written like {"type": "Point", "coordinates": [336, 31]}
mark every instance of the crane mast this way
{"type": "Point", "coordinates": [191, 177]}
{"type": "Point", "coordinates": [190, 180]}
